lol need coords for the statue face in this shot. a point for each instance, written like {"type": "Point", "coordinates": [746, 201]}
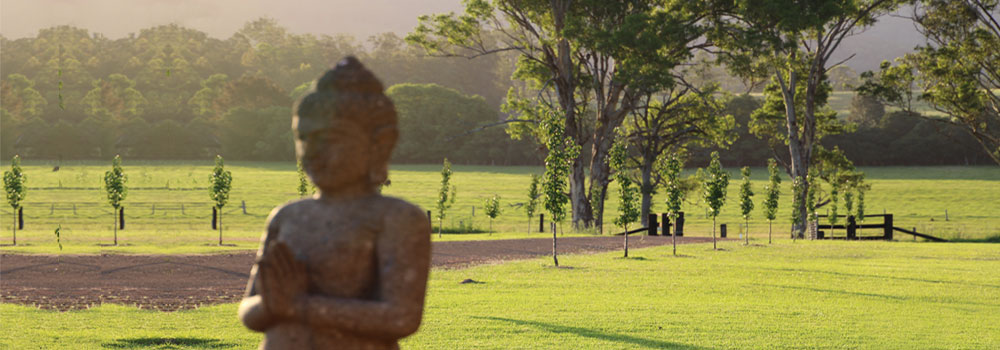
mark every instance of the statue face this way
{"type": "Point", "coordinates": [336, 157]}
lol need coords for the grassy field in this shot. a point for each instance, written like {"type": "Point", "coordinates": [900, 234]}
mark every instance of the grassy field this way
{"type": "Point", "coordinates": [168, 208]}
{"type": "Point", "coordinates": [804, 295]}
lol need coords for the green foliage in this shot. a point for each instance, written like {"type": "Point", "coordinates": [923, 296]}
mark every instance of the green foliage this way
{"type": "Point", "coordinates": [812, 194]}
{"type": "Point", "coordinates": [798, 190]}
{"type": "Point", "coordinates": [257, 134]}
{"type": "Point", "coordinates": [304, 185]}
{"type": "Point", "coordinates": [492, 206]}
{"type": "Point", "coordinates": [746, 194]}
{"type": "Point", "coordinates": [835, 188]}
{"type": "Point", "coordinates": [562, 151]}
{"type": "Point", "coordinates": [220, 183]}
{"type": "Point", "coordinates": [58, 236]}
{"type": "Point", "coordinates": [114, 183]}
{"type": "Point", "coordinates": [532, 204]}
{"type": "Point", "coordinates": [769, 121]}
{"type": "Point", "coordinates": [445, 199]}
{"type": "Point", "coordinates": [860, 216]}
{"type": "Point", "coordinates": [772, 190]}
{"type": "Point", "coordinates": [443, 122]}
{"type": "Point", "coordinates": [714, 184]}
{"type": "Point", "coordinates": [627, 193]}
{"type": "Point", "coordinates": [168, 75]}
{"type": "Point", "coordinates": [13, 183]}
{"type": "Point", "coordinates": [675, 191]}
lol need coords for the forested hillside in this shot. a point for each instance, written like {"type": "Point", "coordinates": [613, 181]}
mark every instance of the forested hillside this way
{"type": "Point", "coordinates": [170, 92]}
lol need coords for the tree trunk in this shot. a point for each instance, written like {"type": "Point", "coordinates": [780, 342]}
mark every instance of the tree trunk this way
{"type": "Point", "coordinates": [768, 231]}
{"type": "Point", "coordinates": [555, 256]}
{"type": "Point", "coordinates": [673, 239]}
{"type": "Point", "coordinates": [714, 246]}
{"type": "Point", "coordinates": [440, 226]}
{"type": "Point", "coordinates": [491, 226]}
{"type": "Point", "coordinates": [626, 241]}
{"type": "Point", "coordinates": [746, 232]}
{"type": "Point", "coordinates": [796, 148]}
{"type": "Point", "coordinates": [14, 227]}
{"type": "Point", "coordinates": [646, 189]}
{"type": "Point", "coordinates": [115, 225]}
{"type": "Point", "coordinates": [583, 215]}
{"type": "Point", "coordinates": [220, 226]}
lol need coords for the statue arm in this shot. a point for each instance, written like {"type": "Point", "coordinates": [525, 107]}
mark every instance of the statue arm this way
{"type": "Point", "coordinates": [252, 312]}
{"type": "Point", "coordinates": [403, 253]}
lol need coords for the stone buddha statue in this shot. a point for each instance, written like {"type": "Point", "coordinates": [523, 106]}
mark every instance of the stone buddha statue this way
{"type": "Point", "coordinates": [347, 268]}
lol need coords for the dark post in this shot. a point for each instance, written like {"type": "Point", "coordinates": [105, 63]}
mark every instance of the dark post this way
{"type": "Point", "coordinates": [121, 218]}
{"type": "Point", "coordinates": [214, 217]}
{"type": "Point", "coordinates": [852, 228]}
{"type": "Point", "coordinates": [429, 216]}
{"type": "Point", "coordinates": [653, 225]}
{"type": "Point", "coordinates": [887, 228]}
{"type": "Point", "coordinates": [679, 225]}
{"type": "Point", "coordinates": [20, 218]}
{"type": "Point", "coordinates": [244, 206]}
{"type": "Point", "coordinates": [722, 231]}
{"type": "Point", "coordinates": [541, 223]}
{"type": "Point", "coordinates": [664, 224]}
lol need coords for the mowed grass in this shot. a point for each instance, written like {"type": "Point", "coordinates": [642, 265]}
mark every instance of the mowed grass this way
{"type": "Point", "coordinates": [802, 295]}
{"type": "Point", "coordinates": [168, 209]}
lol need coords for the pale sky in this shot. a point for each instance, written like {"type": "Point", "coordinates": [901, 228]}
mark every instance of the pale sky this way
{"type": "Point", "coordinates": [890, 38]}
{"type": "Point", "coordinates": [218, 18]}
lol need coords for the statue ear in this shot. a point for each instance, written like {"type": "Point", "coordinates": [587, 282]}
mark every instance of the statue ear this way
{"type": "Point", "coordinates": [383, 141]}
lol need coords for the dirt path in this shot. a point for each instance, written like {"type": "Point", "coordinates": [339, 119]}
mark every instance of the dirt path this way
{"type": "Point", "coordinates": [172, 282]}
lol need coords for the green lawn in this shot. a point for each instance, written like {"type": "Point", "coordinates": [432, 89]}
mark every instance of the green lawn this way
{"type": "Point", "coordinates": [803, 295]}
{"type": "Point", "coordinates": [155, 222]}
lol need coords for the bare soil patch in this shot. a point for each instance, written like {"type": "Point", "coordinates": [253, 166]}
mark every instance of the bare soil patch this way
{"type": "Point", "coordinates": [173, 282]}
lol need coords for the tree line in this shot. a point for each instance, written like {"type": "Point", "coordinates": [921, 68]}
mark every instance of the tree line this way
{"type": "Point", "coordinates": [170, 92]}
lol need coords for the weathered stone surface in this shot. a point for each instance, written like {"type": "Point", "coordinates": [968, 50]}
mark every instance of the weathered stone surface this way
{"type": "Point", "coordinates": [347, 268]}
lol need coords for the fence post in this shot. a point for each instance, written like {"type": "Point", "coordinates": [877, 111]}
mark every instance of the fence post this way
{"type": "Point", "coordinates": [182, 209]}
{"type": "Point", "coordinates": [213, 213]}
{"type": "Point", "coordinates": [852, 228]}
{"type": "Point", "coordinates": [664, 224]}
{"type": "Point", "coordinates": [679, 225]}
{"type": "Point", "coordinates": [243, 204]}
{"type": "Point", "coordinates": [887, 228]}
{"type": "Point", "coordinates": [722, 231]}
{"type": "Point", "coordinates": [653, 225]}
{"type": "Point", "coordinates": [74, 209]}
{"type": "Point", "coordinates": [214, 217]}
{"type": "Point", "coordinates": [541, 223]}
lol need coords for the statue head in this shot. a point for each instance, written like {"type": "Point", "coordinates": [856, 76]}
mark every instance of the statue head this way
{"type": "Point", "coordinates": [345, 129]}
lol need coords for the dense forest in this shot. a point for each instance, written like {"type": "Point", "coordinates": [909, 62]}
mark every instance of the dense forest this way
{"type": "Point", "coordinates": [170, 92]}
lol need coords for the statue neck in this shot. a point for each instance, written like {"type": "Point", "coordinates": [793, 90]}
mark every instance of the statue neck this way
{"type": "Point", "coordinates": [345, 193]}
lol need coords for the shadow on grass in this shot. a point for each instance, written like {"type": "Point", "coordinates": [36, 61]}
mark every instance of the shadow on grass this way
{"type": "Point", "coordinates": [860, 275]}
{"type": "Point", "coordinates": [168, 343]}
{"type": "Point", "coordinates": [590, 333]}
{"type": "Point", "coordinates": [920, 299]}
{"type": "Point", "coordinates": [990, 239]}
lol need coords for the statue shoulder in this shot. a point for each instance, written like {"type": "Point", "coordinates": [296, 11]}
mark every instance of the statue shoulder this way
{"type": "Point", "coordinates": [289, 208]}
{"type": "Point", "coordinates": [397, 212]}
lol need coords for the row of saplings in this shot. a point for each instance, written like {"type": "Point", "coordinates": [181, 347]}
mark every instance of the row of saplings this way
{"type": "Point", "coordinates": [713, 181]}
{"type": "Point", "coordinates": [115, 185]}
